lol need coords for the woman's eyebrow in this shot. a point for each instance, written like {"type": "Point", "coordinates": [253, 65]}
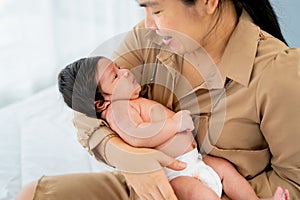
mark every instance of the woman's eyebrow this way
{"type": "Point", "coordinates": [148, 3]}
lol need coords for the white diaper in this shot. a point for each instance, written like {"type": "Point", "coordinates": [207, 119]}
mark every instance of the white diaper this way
{"type": "Point", "coordinates": [197, 168]}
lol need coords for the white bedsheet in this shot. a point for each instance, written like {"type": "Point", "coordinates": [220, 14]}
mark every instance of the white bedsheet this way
{"type": "Point", "coordinates": [37, 138]}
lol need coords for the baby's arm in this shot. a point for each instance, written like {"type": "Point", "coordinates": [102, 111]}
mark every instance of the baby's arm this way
{"type": "Point", "coordinates": [155, 133]}
{"type": "Point", "coordinates": [139, 128]}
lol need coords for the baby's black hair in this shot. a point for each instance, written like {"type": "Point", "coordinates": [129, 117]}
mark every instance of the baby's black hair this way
{"type": "Point", "coordinates": [78, 86]}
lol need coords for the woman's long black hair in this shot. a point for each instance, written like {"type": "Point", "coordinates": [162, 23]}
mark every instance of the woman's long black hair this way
{"type": "Point", "coordinates": [261, 12]}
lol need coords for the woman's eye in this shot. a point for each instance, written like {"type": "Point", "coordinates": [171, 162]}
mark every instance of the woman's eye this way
{"type": "Point", "coordinates": [156, 13]}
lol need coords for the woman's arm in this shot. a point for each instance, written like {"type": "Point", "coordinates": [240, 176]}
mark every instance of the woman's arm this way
{"type": "Point", "coordinates": [142, 169]}
{"type": "Point", "coordinates": [140, 166]}
{"type": "Point", "coordinates": [278, 104]}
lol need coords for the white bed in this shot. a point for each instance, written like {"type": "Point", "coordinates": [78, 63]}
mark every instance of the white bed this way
{"type": "Point", "coordinates": [38, 138]}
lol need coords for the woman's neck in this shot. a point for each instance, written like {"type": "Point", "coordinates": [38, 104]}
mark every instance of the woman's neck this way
{"type": "Point", "coordinates": [218, 38]}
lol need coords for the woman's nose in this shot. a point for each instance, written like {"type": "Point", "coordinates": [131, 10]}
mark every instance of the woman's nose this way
{"type": "Point", "coordinates": [149, 21]}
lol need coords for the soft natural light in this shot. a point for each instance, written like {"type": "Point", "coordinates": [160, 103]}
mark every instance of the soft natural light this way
{"type": "Point", "coordinates": [39, 37]}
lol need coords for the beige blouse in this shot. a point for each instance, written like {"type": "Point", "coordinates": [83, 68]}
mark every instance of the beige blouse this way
{"type": "Point", "coordinates": [255, 120]}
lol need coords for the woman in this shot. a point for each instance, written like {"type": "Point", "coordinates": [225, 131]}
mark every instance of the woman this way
{"type": "Point", "coordinates": [260, 130]}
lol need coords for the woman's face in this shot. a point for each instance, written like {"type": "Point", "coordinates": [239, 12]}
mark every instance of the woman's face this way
{"type": "Point", "coordinates": [179, 24]}
{"type": "Point", "coordinates": [116, 83]}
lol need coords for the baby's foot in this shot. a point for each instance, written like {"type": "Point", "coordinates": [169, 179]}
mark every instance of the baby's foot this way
{"type": "Point", "coordinates": [281, 194]}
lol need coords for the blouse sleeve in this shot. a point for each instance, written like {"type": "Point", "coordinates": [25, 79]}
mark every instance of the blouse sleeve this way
{"type": "Point", "coordinates": [278, 103]}
{"type": "Point", "coordinates": [90, 133]}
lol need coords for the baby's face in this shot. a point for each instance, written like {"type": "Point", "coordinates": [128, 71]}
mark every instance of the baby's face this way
{"type": "Point", "coordinates": [116, 83]}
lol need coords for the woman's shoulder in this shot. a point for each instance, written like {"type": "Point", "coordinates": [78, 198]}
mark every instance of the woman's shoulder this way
{"type": "Point", "coordinates": [275, 54]}
{"type": "Point", "coordinates": [285, 60]}
{"type": "Point", "coordinates": [288, 62]}
{"type": "Point", "coordinates": [282, 71]}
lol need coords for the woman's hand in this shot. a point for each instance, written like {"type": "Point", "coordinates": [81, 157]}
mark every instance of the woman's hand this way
{"type": "Point", "coordinates": [153, 185]}
{"type": "Point", "coordinates": [142, 168]}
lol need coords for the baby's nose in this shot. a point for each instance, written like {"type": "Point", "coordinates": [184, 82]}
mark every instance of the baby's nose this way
{"type": "Point", "coordinates": [124, 72]}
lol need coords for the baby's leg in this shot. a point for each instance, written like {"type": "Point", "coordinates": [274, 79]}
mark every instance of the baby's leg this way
{"type": "Point", "coordinates": [235, 185]}
{"type": "Point", "coordinates": [190, 188]}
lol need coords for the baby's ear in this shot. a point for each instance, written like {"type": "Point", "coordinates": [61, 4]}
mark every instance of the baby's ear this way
{"type": "Point", "coordinates": [101, 105]}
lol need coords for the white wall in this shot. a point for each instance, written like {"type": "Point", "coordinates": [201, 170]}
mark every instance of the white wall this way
{"type": "Point", "coordinates": [39, 37]}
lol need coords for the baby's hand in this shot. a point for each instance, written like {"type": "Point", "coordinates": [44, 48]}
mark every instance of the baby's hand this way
{"type": "Point", "coordinates": [184, 120]}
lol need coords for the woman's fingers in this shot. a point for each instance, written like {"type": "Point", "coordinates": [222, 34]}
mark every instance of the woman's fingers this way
{"type": "Point", "coordinates": [151, 185]}
{"type": "Point", "coordinates": [177, 165]}
{"type": "Point", "coordinates": [166, 191]}
{"type": "Point", "coordinates": [169, 162]}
